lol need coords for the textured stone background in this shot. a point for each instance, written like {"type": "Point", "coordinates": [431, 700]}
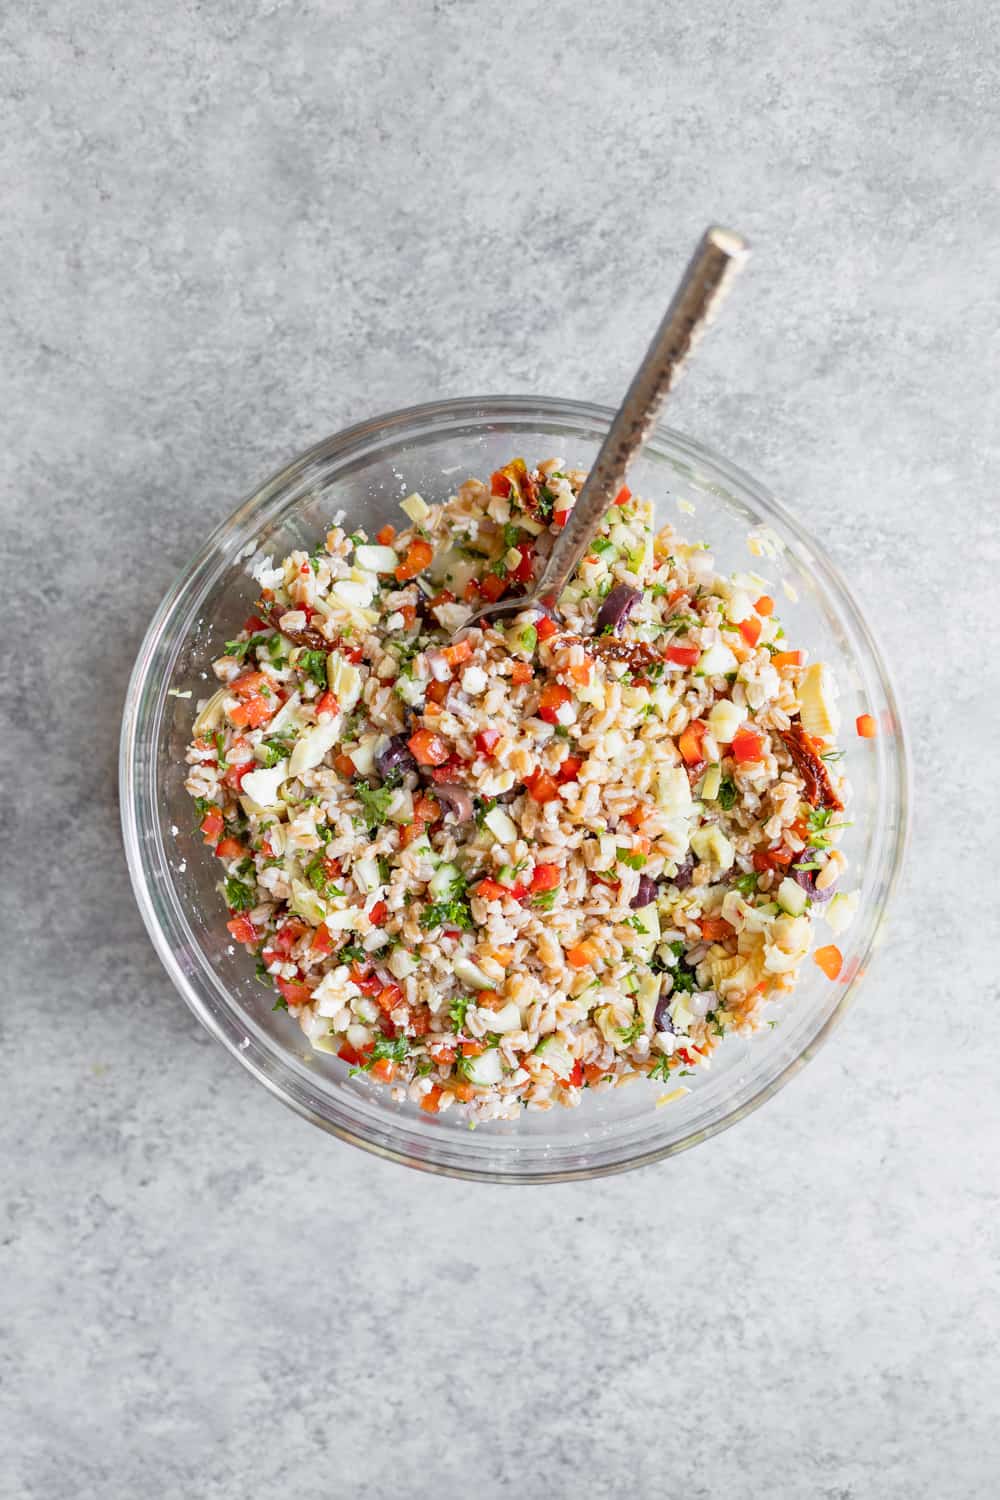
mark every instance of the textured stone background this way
{"type": "Point", "coordinates": [230, 228]}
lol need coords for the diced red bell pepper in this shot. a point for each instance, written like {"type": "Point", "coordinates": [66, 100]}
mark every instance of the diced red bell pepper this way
{"type": "Point", "coordinates": [545, 878]}
{"type": "Point", "coordinates": [254, 712]}
{"type": "Point", "coordinates": [487, 740]}
{"type": "Point", "coordinates": [683, 656]}
{"type": "Point", "coordinates": [326, 704]}
{"type": "Point", "coordinates": [542, 786]}
{"type": "Point", "coordinates": [212, 825]}
{"type": "Point", "coordinates": [248, 684]}
{"type": "Point", "coordinates": [322, 941]}
{"type": "Point", "coordinates": [242, 929]}
{"type": "Point", "coordinates": [525, 570]}
{"type": "Point", "coordinates": [866, 726]}
{"type": "Point", "coordinates": [560, 517]}
{"type": "Point", "coordinates": [294, 991]}
{"type": "Point", "coordinates": [764, 605]}
{"type": "Point", "coordinates": [553, 696]}
{"type": "Point", "coordinates": [286, 937]}
{"type": "Point", "coordinates": [253, 624]}
{"type": "Point", "coordinates": [575, 1079]}
{"type": "Point", "coordinates": [378, 913]}
{"type": "Point", "coordinates": [492, 587]}
{"type": "Point", "coordinates": [431, 1102]}
{"type": "Point", "coordinates": [385, 536]}
{"type": "Point", "coordinates": [623, 496]}
{"type": "Point", "coordinates": [389, 997]}
{"type": "Point", "coordinates": [750, 630]}
{"type": "Point", "coordinates": [747, 744]}
{"type": "Point", "coordinates": [491, 890]}
{"type": "Point", "coordinates": [230, 848]}
{"type": "Point", "coordinates": [570, 768]}
{"type": "Point", "coordinates": [521, 672]}
{"type": "Point", "coordinates": [384, 1070]}
{"type": "Point", "coordinates": [349, 1054]}
{"type": "Point", "coordinates": [546, 627]}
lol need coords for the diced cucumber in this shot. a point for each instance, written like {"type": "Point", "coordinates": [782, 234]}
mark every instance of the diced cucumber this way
{"type": "Point", "coordinates": [366, 873]}
{"type": "Point", "coordinates": [507, 1019]}
{"type": "Point", "coordinates": [555, 1054]}
{"type": "Point", "coordinates": [468, 973]}
{"type": "Point", "coordinates": [791, 897]}
{"type": "Point", "coordinates": [484, 1070]}
{"type": "Point", "coordinates": [376, 559]}
{"type": "Point", "coordinates": [442, 882]}
{"type": "Point", "coordinates": [716, 661]}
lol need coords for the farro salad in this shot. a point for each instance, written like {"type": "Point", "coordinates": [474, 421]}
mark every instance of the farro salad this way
{"type": "Point", "coordinates": [550, 855]}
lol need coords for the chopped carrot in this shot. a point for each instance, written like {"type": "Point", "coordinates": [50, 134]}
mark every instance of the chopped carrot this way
{"type": "Point", "coordinates": [472, 1049]}
{"type": "Point", "coordinates": [830, 960]}
{"type": "Point", "coordinates": [464, 1092]}
{"type": "Point", "coordinates": [581, 954]}
{"type": "Point", "coordinates": [866, 726]}
{"type": "Point", "coordinates": [418, 554]}
{"type": "Point", "coordinates": [764, 606]}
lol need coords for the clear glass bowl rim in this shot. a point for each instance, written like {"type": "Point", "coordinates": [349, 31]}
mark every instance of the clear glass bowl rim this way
{"type": "Point", "coordinates": [259, 507]}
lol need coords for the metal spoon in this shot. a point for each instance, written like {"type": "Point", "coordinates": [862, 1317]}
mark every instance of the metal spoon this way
{"type": "Point", "coordinates": [709, 273]}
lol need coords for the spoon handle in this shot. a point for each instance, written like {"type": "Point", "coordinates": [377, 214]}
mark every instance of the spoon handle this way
{"type": "Point", "coordinates": [718, 257]}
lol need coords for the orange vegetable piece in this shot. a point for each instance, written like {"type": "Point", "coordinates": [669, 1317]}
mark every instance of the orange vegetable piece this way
{"type": "Point", "coordinates": [455, 655]}
{"type": "Point", "coordinates": [623, 496]}
{"type": "Point", "coordinates": [866, 726]}
{"type": "Point", "coordinates": [830, 960]}
{"type": "Point", "coordinates": [546, 627]}
{"type": "Point", "coordinates": [345, 765]}
{"type": "Point", "coordinates": [242, 930]}
{"type": "Point", "coordinates": [715, 929]}
{"type": "Point", "coordinates": [492, 587]}
{"type": "Point", "coordinates": [418, 554]}
{"type": "Point", "coordinates": [786, 659]}
{"type": "Point", "coordinates": [254, 712]}
{"type": "Point", "coordinates": [764, 605]}
{"type": "Point", "coordinates": [554, 695]}
{"type": "Point", "coordinates": [431, 1102]}
{"type": "Point", "coordinates": [689, 743]}
{"type": "Point", "coordinates": [581, 954]}
{"type": "Point", "coordinates": [521, 672]}
{"type": "Point", "coordinates": [385, 536]}
{"type": "Point", "coordinates": [212, 825]}
{"type": "Point", "coordinates": [230, 849]}
{"type": "Point", "coordinates": [747, 744]}
{"type": "Point", "coordinates": [542, 786]}
{"type": "Point", "coordinates": [384, 1070]}
{"type": "Point", "coordinates": [429, 749]}
{"type": "Point", "coordinates": [750, 630]}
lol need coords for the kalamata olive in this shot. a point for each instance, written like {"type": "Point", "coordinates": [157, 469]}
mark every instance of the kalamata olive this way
{"type": "Point", "coordinates": [645, 894]}
{"type": "Point", "coordinates": [616, 608]}
{"type": "Point", "coordinates": [455, 801]}
{"type": "Point", "coordinates": [684, 872]}
{"type": "Point", "coordinates": [807, 880]}
{"type": "Point", "coordinates": [395, 756]}
{"type": "Point", "coordinates": [661, 1015]}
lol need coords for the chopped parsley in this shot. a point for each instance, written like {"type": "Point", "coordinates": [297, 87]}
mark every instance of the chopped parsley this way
{"type": "Point", "coordinates": [280, 1004]}
{"type": "Point", "coordinates": [746, 884]}
{"type": "Point", "coordinates": [546, 503]}
{"type": "Point", "coordinates": [634, 861]}
{"type": "Point", "coordinates": [482, 806]}
{"type": "Point", "coordinates": [457, 1010]}
{"type": "Point", "coordinates": [321, 880]}
{"type": "Point", "coordinates": [726, 795]}
{"type": "Point", "coordinates": [661, 1069]}
{"type": "Point", "coordinates": [375, 800]}
{"type": "Point", "coordinates": [264, 977]}
{"type": "Point", "coordinates": [239, 896]}
{"type": "Point", "coordinates": [352, 953]}
{"type": "Point", "coordinates": [220, 749]}
{"type": "Point", "coordinates": [313, 664]}
{"type": "Point", "coordinates": [452, 913]}
{"type": "Point", "coordinates": [545, 900]}
{"type": "Point", "coordinates": [275, 751]}
{"type": "Point", "coordinates": [631, 1033]}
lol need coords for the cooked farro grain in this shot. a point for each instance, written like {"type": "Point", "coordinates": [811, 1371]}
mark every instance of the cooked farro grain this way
{"type": "Point", "coordinates": [496, 871]}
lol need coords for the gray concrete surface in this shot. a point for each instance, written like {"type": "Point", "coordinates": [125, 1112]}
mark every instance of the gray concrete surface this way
{"type": "Point", "coordinates": [230, 228]}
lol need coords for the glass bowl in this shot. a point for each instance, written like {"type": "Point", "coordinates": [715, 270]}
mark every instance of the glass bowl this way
{"type": "Point", "coordinates": [365, 471]}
